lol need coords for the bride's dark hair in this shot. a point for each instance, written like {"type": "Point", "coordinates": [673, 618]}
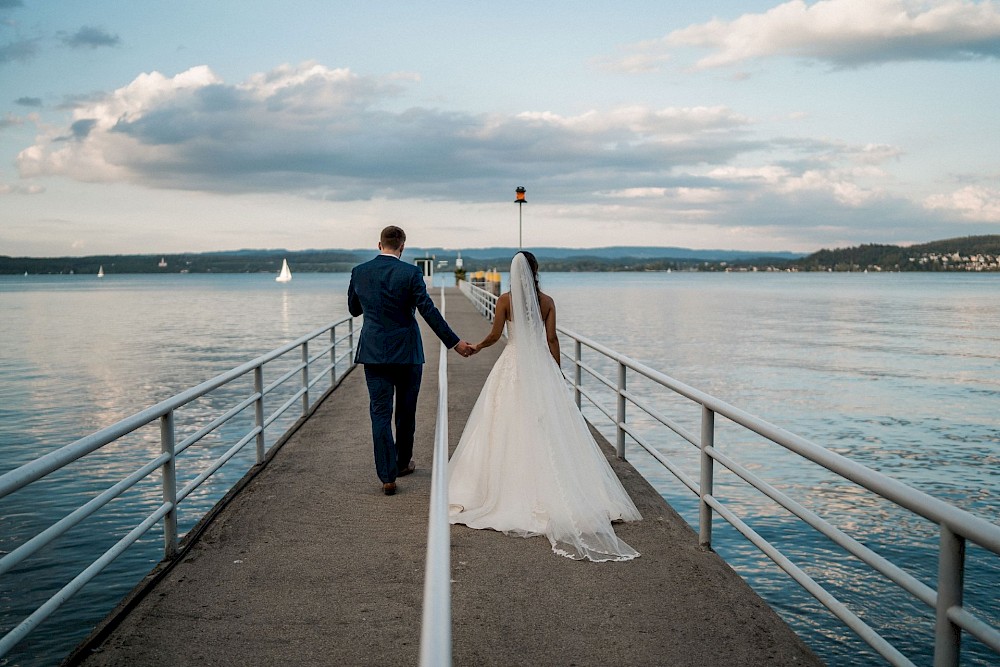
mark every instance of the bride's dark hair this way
{"type": "Point", "coordinates": [533, 263]}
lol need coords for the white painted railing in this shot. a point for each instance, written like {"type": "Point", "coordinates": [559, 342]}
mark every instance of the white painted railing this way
{"type": "Point", "coordinates": [956, 526]}
{"type": "Point", "coordinates": [435, 629]}
{"type": "Point", "coordinates": [484, 302]}
{"type": "Point", "coordinates": [172, 496]}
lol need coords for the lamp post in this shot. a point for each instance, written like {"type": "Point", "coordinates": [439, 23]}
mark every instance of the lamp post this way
{"type": "Point", "coordinates": [520, 201]}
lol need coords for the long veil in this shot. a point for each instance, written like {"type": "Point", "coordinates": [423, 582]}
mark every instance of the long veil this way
{"type": "Point", "coordinates": [579, 493]}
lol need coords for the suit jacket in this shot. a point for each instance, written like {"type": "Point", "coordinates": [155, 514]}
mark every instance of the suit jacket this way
{"type": "Point", "coordinates": [388, 291]}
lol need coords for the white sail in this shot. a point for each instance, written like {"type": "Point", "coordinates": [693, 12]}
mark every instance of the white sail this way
{"type": "Point", "coordinates": [285, 274]}
{"type": "Point", "coordinates": [100, 272]}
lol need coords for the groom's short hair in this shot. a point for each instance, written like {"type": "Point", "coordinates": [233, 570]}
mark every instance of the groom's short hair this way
{"type": "Point", "coordinates": [392, 238]}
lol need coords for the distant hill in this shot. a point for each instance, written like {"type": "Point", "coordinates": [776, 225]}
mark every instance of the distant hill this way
{"type": "Point", "coordinates": [968, 253]}
{"type": "Point", "coordinates": [314, 261]}
{"type": "Point", "coordinates": [612, 252]}
{"type": "Point", "coordinates": [237, 261]}
{"type": "Point", "coordinates": [971, 253]}
{"type": "Point", "coordinates": [613, 258]}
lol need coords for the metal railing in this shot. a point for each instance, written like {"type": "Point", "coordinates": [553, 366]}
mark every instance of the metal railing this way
{"type": "Point", "coordinates": [956, 526]}
{"type": "Point", "coordinates": [435, 628]}
{"type": "Point", "coordinates": [165, 463]}
{"type": "Point", "coordinates": [484, 302]}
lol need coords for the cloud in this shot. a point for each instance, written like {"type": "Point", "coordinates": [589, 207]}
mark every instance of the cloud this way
{"type": "Point", "coordinates": [842, 185]}
{"type": "Point", "coordinates": [871, 154]}
{"type": "Point", "coordinates": [326, 132]}
{"type": "Point", "coordinates": [28, 101]}
{"type": "Point", "coordinates": [89, 37]}
{"type": "Point", "coordinates": [973, 202]}
{"type": "Point", "coordinates": [639, 58]}
{"type": "Point", "coordinates": [30, 189]}
{"type": "Point", "coordinates": [842, 33]}
{"type": "Point", "coordinates": [10, 120]}
{"type": "Point", "coordinates": [22, 49]}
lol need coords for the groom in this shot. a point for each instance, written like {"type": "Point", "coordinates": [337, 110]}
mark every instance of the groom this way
{"type": "Point", "coordinates": [388, 291]}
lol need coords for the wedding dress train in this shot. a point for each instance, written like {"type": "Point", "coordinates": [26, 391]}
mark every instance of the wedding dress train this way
{"type": "Point", "coordinates": [527, 464]}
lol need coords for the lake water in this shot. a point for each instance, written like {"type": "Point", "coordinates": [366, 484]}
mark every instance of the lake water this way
{"type": "Point", "coordinates": [897, 371]}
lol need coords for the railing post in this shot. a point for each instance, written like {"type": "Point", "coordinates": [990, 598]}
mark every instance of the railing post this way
{"type": "Point", "coordinates": [577, 371]}
{"type": "Point", "coordinates": [169, 485]}
{"type": "Point", "coordinates": [350, 339]}
{"type": "Point", "coordinates": [333, 355]}
{"type": "Point", "coordinates": [258, 410]}
{"type": "Point", "coordinates": [305, 378]}
{"type": "Point", "coordinates": [620, 444]}
{"type": "Point", "coordinates": [707, 477]}
{"type": "Point", "coordinates": [951, 574]}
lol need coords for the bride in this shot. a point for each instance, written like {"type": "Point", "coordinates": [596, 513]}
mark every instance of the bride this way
{"type": "Point", "coordinates": [527, 464]}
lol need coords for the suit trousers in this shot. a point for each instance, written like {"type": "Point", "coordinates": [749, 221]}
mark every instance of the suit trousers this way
{"type": "Point", "coordinates": [386, 382]}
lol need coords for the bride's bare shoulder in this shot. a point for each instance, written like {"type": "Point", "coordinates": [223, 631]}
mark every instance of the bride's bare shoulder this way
{"type": "Point", "coordinates": [545, 302]}
{"type": "Point", "coordinates": [503, 305]}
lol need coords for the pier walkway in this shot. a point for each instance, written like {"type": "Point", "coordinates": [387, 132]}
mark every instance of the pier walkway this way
{"type": "Point", "coordinates": [310, 564]}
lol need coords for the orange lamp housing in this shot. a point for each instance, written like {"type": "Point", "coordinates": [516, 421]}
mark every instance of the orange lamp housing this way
{"type": "Point", "coordinates": [520, 196]}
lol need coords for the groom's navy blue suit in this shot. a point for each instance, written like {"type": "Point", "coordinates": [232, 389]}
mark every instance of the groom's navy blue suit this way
{"type": "Point", "coordinates": [389, 291]}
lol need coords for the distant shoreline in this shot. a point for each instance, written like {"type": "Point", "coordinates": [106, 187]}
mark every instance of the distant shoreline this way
{"type": "Point", "coordinates": [543, 268]}
{"type": "Point", "coordinates": [979, 254]}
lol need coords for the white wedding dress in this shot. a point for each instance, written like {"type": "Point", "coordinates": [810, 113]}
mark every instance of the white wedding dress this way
{"type": "Point", "coordinates": [527, 464]}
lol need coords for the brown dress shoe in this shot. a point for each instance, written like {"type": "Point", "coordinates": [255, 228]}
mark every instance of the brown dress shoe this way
{"type": "Point", "coordinates": [410, 467]}
{"type": "Point", "coordinates": [389, 488]}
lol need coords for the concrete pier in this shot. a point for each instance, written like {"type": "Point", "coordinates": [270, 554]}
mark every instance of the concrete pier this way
{"type": "Point", "coordinates": [310, 564]}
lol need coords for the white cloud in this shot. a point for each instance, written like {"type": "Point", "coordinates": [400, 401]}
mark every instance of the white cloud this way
{"type": "Point", "coordinates": [973, 202]}
{"type": "Point", "coordinates": [10, 120]}
{"type": "Point", "coordinates": [20, 189]}
{"type": "Point", "coordinates": [326, 132]}
{"type": "Point", "coordinates": [872, 154]}
{"type": "Point", "coordinates": [640, 121]}
{"type": "Point", "coordinates": [844, 33]}
{"type": "Point", "coordinates": [320, 135]}
{"type": "Point", "coordinates": [770, 174]}
{"type": "Point", "coordinates": [635, 193]}
{"type": "Point", "coordinates": [843, 184]}
{"type": "Point", "coordinates": [641, 57]}
{"type": "Point", "coordinates": [674, 196]}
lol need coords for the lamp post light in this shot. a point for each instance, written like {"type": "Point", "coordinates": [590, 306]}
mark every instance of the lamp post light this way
{"type": "Point", "coordinates": [520, 201]}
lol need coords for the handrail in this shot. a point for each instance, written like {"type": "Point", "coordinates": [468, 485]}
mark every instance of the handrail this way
{"type": "Point", "coordinates": [34, 470]}
{"type": "Point", "coordinates": [484, 302]}
{"type": "Point", "coordinates": [956, 525]}
{"type": "Point", "coordinates": [905, 496]}
{"type": "Point", "coordinates": [435, 629]}
{"type": "Point", "coordinates": [165, 462]}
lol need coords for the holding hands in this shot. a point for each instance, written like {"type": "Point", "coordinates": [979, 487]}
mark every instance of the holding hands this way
{"type": "Point", "coordinates": [465, 349]}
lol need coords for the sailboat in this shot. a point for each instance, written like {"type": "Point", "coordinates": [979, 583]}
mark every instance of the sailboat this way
{"type": "Point", "coordinates": [100, 272]}
{"type": "Point", "coordinates": [285, 275]}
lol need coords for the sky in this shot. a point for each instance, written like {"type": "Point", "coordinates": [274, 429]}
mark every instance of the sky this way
{"type": "Point", "coordinates": [156, 127]}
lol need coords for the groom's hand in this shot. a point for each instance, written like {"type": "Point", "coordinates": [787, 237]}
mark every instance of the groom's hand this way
{"type": "Point", "coordinates": [464, 349]}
